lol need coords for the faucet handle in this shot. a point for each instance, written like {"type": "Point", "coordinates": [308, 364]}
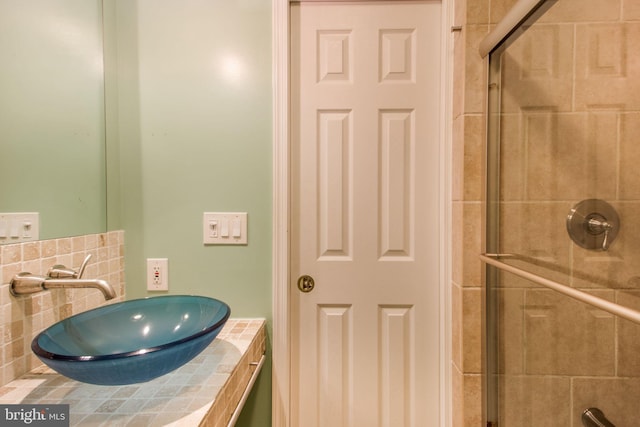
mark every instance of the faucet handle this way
{"type": "Point", "coordinates": [83, 266]}
{"type": "Point", "coordinates": [59, 271]}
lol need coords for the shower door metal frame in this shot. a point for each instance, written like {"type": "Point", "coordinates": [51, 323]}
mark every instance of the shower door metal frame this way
{"type": "Point", "coordinates": [515, 22]}
{"type": "Point", "coordinates": [492, 222]}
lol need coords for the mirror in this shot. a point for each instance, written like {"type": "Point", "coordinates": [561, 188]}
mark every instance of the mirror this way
{"type": "Point", "coordinates": [52, 121]}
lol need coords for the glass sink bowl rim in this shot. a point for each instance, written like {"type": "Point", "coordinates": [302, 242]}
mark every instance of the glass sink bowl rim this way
{"type": "Point", "coordinates": [42, 353]}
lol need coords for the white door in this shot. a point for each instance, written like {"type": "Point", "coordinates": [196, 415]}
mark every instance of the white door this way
{"type": "Point", "coordinates": [366, 93]}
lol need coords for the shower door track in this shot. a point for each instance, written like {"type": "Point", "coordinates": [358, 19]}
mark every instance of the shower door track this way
{"type": "Point", "coordinates": [608, 306]}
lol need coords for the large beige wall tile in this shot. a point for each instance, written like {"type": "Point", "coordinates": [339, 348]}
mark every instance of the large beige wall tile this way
{"type": "Point", "coordinates": [477, 12]}
{"type": "Point", "coordinates": [630, 10]}
{"type": "Point", "coordinates": [468, 157]}
{"type": "Point", "coordinates": [607, 68]}
{"type": "Point", "coordinates": [459, 54]}
{"type": "Point", "coordinates": [537, 70]}
{"type": "Point", "coordinates": [472, 330]}
{"type": "Point", "coordinates": [473, 229]}
{"type": "Point", "coordinates": [629, 156]}
{"type": "Point", "coordinates": [601, 269]}
{"type": "Point", "coordinates": [534, 401]}
{"type": "Point", "coordinates": [475, 72]}
{"type": "Point", "coordinates": [628, 337]}
{"type": "Point", "coordinates": [459, 11]}
{"type": "Point", "coordinates": [472, 400]}
{"type": "Point", "coordinates": [457, 397]}
{"type": "Point", "coordinates": [567, 337]}
{"type": "Point", "coordinates": [467, 229]}
{"type": "Point", "coordinates": [511, 339]}
{"type": "Point", "coordinates": [629, 242]}
{"type": "Point", "coordinates": [554, 149]}
{"type": "Point", "coordinates": [598, 176]}
{"type": "Point", "coordinates": [563, 152]}
{"type": "Point", "coordinates": [512, 158]}
{"type": "Point", "coordinates": [537, 230]}
{"type": "Point", "coordinates": [547, 156]}
{"type": "Point", "coordinates": [474, 157]}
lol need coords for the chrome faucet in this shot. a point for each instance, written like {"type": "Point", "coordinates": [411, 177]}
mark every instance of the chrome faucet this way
{"type": "Point", "coordinates": [594, 417]}
{"type": "Point", "coordinates": [59, 276]}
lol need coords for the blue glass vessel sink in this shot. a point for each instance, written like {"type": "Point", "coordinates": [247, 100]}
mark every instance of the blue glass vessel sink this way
{"type": "Point", "coordinates": [132, 341]}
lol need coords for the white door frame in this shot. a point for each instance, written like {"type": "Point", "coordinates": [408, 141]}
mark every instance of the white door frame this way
{"type": "Point", "coordinates": [281, 339]}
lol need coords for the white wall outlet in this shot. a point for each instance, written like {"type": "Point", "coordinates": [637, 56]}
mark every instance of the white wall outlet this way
{"type": "Point", "coordinates": [157, 274]}
{"type": "Point", "coordinates": [224, 228]}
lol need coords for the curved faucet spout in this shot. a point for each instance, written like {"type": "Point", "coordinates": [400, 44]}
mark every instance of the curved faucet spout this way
{"type": "Point", "coordinates": [594, 417]}
{"type": "Point", "coordinates": [27, 283]}
{"type": "Point", "coordinates": [59, 276]}
{"type": "Point", "coordinates": [102, 285]}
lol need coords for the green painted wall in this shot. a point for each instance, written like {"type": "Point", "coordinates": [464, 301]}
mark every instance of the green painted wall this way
{"type": "Point", "coordinates": [194, 135]}
{"type": "Point", "coordinates": [52, 114]}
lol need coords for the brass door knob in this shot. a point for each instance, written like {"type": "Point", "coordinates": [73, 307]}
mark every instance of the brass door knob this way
{"type": "Point", "coordinates": [306, 283]}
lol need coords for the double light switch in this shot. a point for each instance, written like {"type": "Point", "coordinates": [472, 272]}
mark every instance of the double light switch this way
{"type": "Point", "coordinates": [224, 228]}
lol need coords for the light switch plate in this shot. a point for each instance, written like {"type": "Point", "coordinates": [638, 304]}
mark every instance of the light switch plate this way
{"type": "Point", "coordinates": [16, 227]}
{"type": "Point", "coordinates": [224, 228]}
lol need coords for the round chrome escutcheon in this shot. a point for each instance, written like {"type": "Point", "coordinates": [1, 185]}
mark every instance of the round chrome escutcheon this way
{"type": "Point", "coordinates": [593, 224]}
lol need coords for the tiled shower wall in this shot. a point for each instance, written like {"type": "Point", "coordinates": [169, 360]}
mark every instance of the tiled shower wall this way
{"type": "Point", "coordinates": [591, 98]}
{"type": "Point", "coordinates": [23, 317]}
{"type": "Point", "coordinates": [569, 127]}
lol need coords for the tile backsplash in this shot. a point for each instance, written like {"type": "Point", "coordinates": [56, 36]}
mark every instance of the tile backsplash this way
{"type": "Point", "coordinates": [23, 317]}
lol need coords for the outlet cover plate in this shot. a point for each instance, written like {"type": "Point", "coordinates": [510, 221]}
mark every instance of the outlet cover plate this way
{"type": "Point", "coordinates": [157, 274]}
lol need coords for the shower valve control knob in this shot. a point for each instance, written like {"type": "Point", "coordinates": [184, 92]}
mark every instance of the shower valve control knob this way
{"type": "Point", "coordinates": [593, 224]}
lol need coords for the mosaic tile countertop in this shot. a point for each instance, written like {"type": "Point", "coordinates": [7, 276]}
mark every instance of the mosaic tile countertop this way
{"type": "Point", "coordinates": [203, 392]}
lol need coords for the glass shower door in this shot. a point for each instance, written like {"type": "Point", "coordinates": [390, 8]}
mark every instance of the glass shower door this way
{"type": "Point", "coordinates": [564, 121]}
